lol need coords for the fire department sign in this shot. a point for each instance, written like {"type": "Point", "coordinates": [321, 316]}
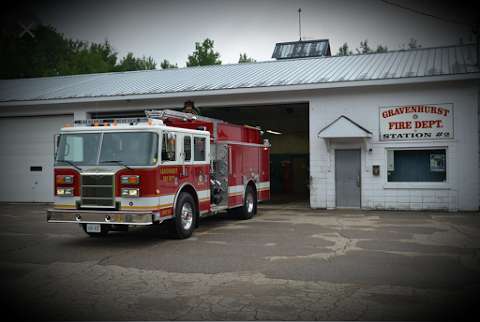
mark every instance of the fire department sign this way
{"type": "Point", "coordinates": [416, 122]}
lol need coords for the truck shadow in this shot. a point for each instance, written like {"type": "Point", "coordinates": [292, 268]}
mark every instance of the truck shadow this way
{"type": "Point", "coordinates": [148, 235]}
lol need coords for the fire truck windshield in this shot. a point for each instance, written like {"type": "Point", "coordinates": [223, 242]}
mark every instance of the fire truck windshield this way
{"type": "Point", "coordinates": [129, 148]}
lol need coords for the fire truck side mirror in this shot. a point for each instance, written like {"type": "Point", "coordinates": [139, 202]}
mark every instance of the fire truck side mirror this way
{"type": "Point", "coordinates": [56, 141]}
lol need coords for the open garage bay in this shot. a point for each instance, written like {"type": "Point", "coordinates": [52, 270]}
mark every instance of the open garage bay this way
{"type": "Point", "coordinates": [286, 126]}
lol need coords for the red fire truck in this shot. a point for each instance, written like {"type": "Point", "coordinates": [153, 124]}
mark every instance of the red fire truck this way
{"type": "Point", "coordinates": [170, 166]}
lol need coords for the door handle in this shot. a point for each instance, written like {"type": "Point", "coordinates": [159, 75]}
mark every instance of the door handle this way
{"type": "Point", "coordinates": [358, 181]}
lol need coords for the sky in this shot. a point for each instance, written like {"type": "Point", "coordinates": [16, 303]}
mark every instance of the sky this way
{"type": "Point", "coordinates": [169, 29]}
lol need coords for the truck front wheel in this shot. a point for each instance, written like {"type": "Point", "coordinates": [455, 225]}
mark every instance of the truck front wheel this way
{"type": "Point", "coordinates": [185, 216]}
{"type": "Point", "coordinates": [249, 208]}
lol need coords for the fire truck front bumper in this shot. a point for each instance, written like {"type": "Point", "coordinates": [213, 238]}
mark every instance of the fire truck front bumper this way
{"type": "Point", "coordinates": [138, 218]}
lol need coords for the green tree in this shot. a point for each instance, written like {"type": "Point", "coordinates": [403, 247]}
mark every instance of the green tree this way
{"type": "Point", "coordinates": [130, 62]}
{"type": "Point", "coordinates": [45, 54]}
{"type": "Point", "coordinates": [364, 47]}
{"type": "Point", "coordinates": [245, 59]}
{"type": "Point", "coordinates": [413, 44]}
{"type": "Point", "coordinates": [50, 53]}
{"type": "Point", "coordinates": [204, 54]}
{"type": "Point", "coordinates": [88, 58]}
{"type": "Point", "coordinates": [165, 64]}
{"type": "Point", "coordinates": [344, 50]}
{"type": "Point", "coordinates": [381, 49]}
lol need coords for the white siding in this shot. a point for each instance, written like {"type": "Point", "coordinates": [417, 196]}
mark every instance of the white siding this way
{"type": "Point", "coordinates": [361, 104]}
{"type": "Point", "coordinates": [461, 192]}
{"type": "Point", "coordinates": [27, 142]}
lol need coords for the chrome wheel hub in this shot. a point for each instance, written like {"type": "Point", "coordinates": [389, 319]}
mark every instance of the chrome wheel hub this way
{"type": "Point", "coordinates": [186, 216]}
{"type": "Point", "coordinates": [250, 203]}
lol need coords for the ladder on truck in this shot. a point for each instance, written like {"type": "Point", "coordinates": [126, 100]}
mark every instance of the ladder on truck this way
{"type": "Point", "coordinates": [162, 115]}
{"type": "Point", "coordinates": [166, 114]}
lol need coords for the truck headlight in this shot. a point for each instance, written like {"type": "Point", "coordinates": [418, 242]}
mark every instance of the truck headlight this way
{"type": "Point", "coordinates": [134, 180]}
{"type": "Point", "coordinates": [65, 192]}
{"type": "Point", "coordinates": [63, 179]}
{"type": "Point", "coordinates": [130, 192]}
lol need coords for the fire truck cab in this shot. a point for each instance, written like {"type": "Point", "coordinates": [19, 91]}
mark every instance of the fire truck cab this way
{"type": "Point", "coordinates": [170, 166]}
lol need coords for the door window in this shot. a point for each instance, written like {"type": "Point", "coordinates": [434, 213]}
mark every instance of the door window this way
{"type": "Point", "coordinates": [187, 148]}
{"type": "Point", "coordinates": [200, 147]}
{"type": "Point", "coordinates": [169, 146]}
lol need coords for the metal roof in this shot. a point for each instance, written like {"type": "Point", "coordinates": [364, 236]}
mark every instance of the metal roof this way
{"type": "Point", "coordinates": [279, 74]}
{"type": "Point", "coordinates": [302, 49]}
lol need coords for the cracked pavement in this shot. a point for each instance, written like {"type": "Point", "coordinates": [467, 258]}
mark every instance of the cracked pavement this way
{"type": "Point", "coordinates": [284, 264]}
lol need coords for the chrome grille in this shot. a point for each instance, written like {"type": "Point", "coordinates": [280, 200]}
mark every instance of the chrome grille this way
{"type": "Point", "coordinates": [97, 191]}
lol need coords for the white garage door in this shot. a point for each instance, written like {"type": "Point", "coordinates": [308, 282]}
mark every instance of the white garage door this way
{"type": "Point", "coordinates": [26, 157]}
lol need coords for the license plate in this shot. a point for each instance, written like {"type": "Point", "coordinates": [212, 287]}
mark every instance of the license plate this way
{"type": "Point", "coordinates": [93, 228]}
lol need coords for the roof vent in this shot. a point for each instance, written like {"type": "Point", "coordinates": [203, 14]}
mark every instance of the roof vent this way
{"type": "Point", "coordinates": [302, 49]}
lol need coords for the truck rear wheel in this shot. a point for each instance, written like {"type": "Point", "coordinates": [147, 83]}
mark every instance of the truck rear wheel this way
{"type": "Point", "coordinates": [104, 229]}
{"type": "Point", "coordinates": [249, 208]}
{"type": "Point", "coordinates": [185, 216]}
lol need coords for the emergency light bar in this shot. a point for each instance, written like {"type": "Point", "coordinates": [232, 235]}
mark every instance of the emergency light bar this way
{"type": "Point", "coordinates": [110, 122]}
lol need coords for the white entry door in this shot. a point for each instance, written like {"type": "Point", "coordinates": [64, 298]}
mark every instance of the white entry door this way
{"type": "Point", "coordinates": [347, 178]}
{"type": "Point", "coordinates": [26, 157]}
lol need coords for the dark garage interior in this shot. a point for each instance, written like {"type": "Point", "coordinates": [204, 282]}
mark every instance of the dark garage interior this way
{"type": "Point", "coordinates": [286, 127]}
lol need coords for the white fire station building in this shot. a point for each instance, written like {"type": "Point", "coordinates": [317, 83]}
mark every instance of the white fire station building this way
{"type": "Point", "coordinates": [396, 130]}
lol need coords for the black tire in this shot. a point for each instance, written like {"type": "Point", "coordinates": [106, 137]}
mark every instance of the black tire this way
{"type": "Point", "coordinates": [104, 229]}
{"type": "Point", "coordinates": [185, 219]}
{"type": "Point", "coordinates": [249, 208]}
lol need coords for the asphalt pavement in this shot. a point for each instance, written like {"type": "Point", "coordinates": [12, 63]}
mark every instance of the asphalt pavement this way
{"type": "Point", "coordinates": [286, 263]}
